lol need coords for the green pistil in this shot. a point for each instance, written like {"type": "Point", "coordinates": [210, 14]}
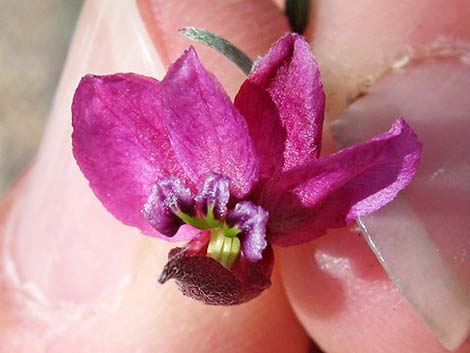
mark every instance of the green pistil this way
{"type": "Point", "coordinates": [224, 245]}
{"type": "Point", "coordinates": [222, 248]}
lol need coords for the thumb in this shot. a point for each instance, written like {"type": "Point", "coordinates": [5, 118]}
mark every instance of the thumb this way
{"type": "Point", "coordinates": [75, 279]}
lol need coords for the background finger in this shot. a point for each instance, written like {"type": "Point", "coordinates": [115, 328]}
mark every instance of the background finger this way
{"type": "Point", "coordinates": [357, 45]}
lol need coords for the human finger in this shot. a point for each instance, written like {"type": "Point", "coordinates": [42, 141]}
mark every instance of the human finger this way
{"type": "Point", "coordinates": [74, 278]}
{"type": "Point", "coordinates": [380, 61]}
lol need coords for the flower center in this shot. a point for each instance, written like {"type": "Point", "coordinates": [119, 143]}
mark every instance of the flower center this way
{"type": "Point", "coordinates": [241, 230]}
{"type": "Point", "coordinates": [224, 245]}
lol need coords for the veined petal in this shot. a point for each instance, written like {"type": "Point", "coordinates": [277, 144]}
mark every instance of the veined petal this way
{"type": "Point", "coordinates": [120, 144]}
{"type": "Point", "coordinates": [283, 102]}
{"type": "Point", "coordinates": [329, 192]}
{"type": "Point", "coordinates": [207, 132]}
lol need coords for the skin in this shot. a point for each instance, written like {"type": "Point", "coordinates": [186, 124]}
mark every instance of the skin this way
{"type": "Point", "coordinates": [332, 290]}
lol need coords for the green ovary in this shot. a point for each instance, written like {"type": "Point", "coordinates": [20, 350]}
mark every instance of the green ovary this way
{"type": "Point", "coordinates": [224, 245]}
{"type": "Point", "coordinates": [222, 248]}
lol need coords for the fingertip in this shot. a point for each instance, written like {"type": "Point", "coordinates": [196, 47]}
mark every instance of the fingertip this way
{"type": "Point", "coordinates": [356, 42]}
{"type": "Point", "coordinates": [346, 302]}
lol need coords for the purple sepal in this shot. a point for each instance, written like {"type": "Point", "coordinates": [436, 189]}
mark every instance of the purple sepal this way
{"type": "Point", "coordinates": [167, 196]}
{"type": "Point", "coordinates": [331, 191]}
{"type": "Point", "coordinates": [204, 279]}
{"type": "Point", "coordinates": [215, 193]}
{"type": "Point", "coordinates": [207, 132]}
{"type": "Point", "coordinates": [251, 219]}
{"type": "Point", "coordinates": [283, 103]}
{"type": "Point", "coordinates": [121, 144]}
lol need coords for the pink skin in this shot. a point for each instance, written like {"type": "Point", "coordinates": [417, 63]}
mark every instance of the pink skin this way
{"type": "Point", "coordinates": [339, 292]}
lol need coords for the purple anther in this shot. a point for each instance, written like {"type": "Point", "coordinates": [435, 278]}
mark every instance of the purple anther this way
{"type": "Point", "coordinates": [251, 219]}
{"type": "Point", "coordinates": [168, 196]}
{"type": "Point", "coordinates": [215, 193]}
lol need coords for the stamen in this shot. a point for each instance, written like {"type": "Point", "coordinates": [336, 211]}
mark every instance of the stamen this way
{"type": "Point", "coordinates": [171, 204]}
{"type": "Point", "coordinates": [250, 219]}
{"type": "Point", "coordinates": [213, 195]}
{"type": "Point", "coordinates": [230, 232]}
{"type": "Point", "coordinates": [196, 222]}
{"type": "Point", "coordinates": [206, 222]}
{"type": "Point", "coordinates": [167, 197]}
{"type": "Point", "coordinates": [210, 218]}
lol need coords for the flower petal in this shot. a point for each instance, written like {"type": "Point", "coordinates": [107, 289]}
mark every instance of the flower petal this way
{"type": "Point", "coordinates": [329, 192]}
{"type": "Point", "coordinates": [207, 132]}
{"type": "Point", "coordinates": [120, 144]}
{"type": "Point", "coordinates": [205, 279]}
{"type": "Point", "coordinates": [283, 102]}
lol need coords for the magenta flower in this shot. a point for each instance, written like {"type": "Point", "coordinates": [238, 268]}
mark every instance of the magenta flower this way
{"type": "Point", "coordinates": [178, 160]}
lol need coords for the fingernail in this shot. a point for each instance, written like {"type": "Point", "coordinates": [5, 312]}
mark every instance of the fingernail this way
{"type": "Point", "coordinates": [421, 239]}
{"type": "Point", "coordinates": [61, 243]}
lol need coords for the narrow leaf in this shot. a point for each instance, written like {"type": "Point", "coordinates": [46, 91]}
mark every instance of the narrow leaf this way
{"type": "Point", "coordinates": [223, 46]}
{"type": "Point", "coordinates": [297, 11]}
